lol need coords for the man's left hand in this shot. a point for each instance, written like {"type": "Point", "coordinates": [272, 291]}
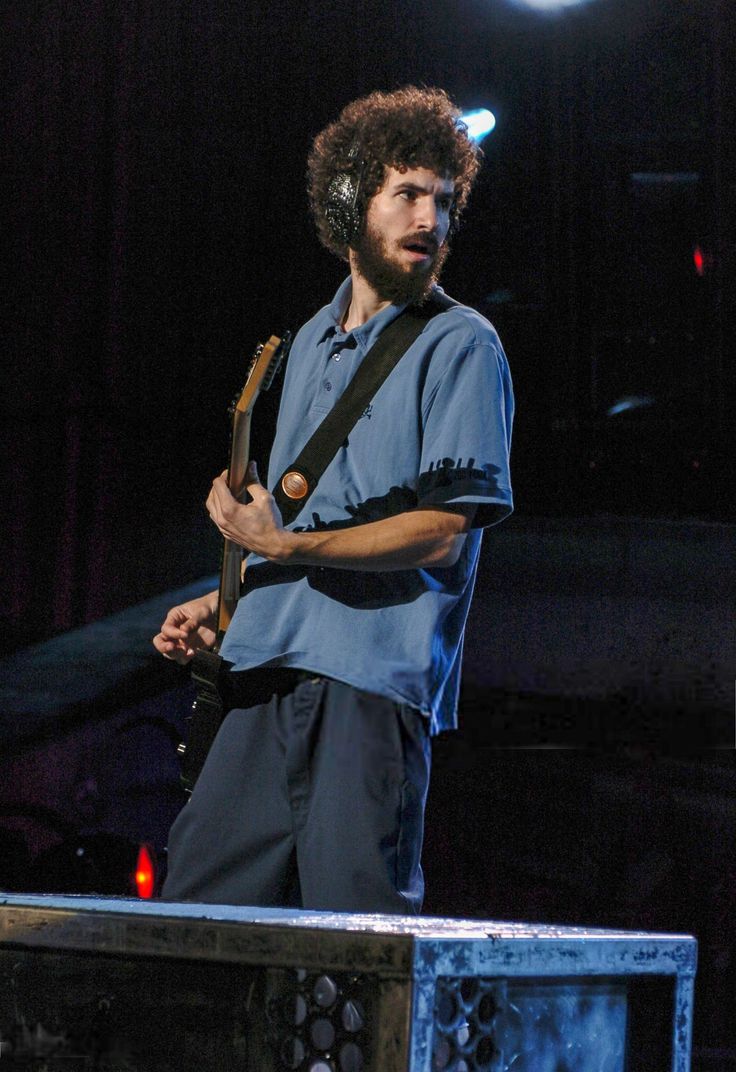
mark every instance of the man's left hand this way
{"type": "Point", "coordinates": [257, 526]}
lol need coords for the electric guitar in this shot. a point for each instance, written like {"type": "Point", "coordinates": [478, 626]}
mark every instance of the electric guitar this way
{"type": "Point", "coordinates": [207, 667]}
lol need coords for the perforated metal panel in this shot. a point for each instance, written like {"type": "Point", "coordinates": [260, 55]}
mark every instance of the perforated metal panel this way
{"type": "Point", "coordinates": [130, 986]}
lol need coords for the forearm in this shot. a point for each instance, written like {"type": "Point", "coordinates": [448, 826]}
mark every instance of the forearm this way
{"type": "Point", "coordinates": [415, 539]}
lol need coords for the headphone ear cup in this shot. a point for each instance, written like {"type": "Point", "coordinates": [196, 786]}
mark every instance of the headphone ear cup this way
{"type": "Point", "coordinates": [341, 207]}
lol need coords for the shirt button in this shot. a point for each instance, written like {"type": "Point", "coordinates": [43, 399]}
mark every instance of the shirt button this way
{"type": "Point", "coordinates": [327, 385]}
{"type": "Point", "coordinates": [337, 357]}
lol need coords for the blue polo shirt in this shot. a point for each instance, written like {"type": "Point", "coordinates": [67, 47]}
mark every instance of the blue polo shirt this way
{"type": "Point", "coordinates": [437, 431]}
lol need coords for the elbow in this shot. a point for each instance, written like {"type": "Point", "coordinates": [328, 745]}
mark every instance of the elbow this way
{"type": "Point", "coordinates": [447, 552]}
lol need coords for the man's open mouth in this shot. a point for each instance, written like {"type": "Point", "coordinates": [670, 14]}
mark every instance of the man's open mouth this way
{"type": "Point", "coordinates": [423, 247]}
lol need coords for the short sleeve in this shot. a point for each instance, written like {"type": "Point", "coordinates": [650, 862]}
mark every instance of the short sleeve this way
{"type": "Point", "coordinates": [467, 433]}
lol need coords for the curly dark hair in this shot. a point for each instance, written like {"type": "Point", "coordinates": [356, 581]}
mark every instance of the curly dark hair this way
{"type": "Point", "coordinates": [408, 128]}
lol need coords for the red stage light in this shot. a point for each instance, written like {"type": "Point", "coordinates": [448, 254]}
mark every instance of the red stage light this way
{"type": "Point", "coordinates": [145, 873]}
{"type": "Point", "coordinates": [704, 259]}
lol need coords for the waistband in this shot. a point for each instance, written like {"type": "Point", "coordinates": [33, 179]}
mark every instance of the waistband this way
{"type": "Point", "coordinates": [246, 688]}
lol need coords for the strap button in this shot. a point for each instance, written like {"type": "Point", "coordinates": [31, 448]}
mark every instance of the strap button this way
{"type": "Point", "coordinates": [294, 485]}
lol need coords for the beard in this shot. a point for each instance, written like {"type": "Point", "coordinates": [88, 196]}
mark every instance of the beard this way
{"type": "Point", "coordinates": [400, 284]}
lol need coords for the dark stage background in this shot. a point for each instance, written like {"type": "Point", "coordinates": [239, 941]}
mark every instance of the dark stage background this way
{"type": "Point", "coordinates": [156, 228]}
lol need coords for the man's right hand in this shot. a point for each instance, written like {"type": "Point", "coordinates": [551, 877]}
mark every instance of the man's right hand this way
{"type": "Point", "coordinates": [188, 628]}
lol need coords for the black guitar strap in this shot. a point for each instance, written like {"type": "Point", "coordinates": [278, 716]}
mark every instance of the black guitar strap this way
{"type": "Point", "coordinates": [299, 480]}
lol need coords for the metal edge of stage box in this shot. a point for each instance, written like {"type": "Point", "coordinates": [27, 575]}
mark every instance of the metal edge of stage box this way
{"type": "Point", "coordinates": [117, 985]}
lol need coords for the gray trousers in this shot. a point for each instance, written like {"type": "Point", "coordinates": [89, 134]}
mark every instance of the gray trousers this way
{"type": "Point", "coordinates": [313, 798]}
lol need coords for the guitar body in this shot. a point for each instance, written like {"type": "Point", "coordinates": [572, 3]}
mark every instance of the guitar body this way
{"type": "Point", "coordinates": [208, 669]}
{"type": "Point", "coordinates": [208, 710]}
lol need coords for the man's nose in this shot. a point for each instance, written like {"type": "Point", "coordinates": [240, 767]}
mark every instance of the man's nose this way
{"type": "Point", "coordinates": [426, 217]}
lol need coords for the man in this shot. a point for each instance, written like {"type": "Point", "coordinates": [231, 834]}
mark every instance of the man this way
{"type": "Point", "coordinates": [351, 621]}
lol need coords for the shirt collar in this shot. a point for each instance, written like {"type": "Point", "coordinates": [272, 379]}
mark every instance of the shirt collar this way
{"type": "Point", "coordinates": [366, 334]}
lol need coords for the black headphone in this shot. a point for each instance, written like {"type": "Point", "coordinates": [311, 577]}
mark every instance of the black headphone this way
{"type": "Point", "coordinates": [341, 203]}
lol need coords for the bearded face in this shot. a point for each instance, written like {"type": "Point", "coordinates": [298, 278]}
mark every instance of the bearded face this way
{"type": "Point", "coordinates": [403, 246]}
{"type": "Point", "coordinates": [395, 278]}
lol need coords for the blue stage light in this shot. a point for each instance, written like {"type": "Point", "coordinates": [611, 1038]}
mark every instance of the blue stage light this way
{"type": "Point", "coordinates": [630, 404]}
{"type": "Point", "coordinates": [479, 123]}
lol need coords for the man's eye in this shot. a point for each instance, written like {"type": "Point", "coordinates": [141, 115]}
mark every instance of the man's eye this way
{"type": "Point", "coordinates": [408, 195]}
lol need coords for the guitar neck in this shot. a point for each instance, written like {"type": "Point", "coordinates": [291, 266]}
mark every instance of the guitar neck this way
{"type": "Point", "coordinates": [264, 366]}
{"type": "Point", "coordinates": [231, 570]}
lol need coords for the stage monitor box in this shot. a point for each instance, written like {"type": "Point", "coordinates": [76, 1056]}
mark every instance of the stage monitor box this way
{"type": "Point", "coordinates": [112, 985]}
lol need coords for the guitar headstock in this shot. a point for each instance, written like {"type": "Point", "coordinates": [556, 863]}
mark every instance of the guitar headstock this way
{"type": "Point", "coordinates": [263, 367]}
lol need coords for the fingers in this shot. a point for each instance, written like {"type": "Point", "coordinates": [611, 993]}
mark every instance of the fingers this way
{"type": "Point", "coordinates": [174, 640]}
{"type": "Point", "coordinates": [255, 525]}
{"type": "Point", "coordinates": [251, 475]}
{"type": "Point", "coordinates": [260, 495]}
{"type": "Point", "coordinates": [173, 636]}
{"type": "Point", "coordinates": [187, 628]}
{"type": "Point", "coordinates": [178, 625]}
{"type": "Point", "coordinates": [177, 651]}
{"type": "Point", "coordinates": [221, 501]}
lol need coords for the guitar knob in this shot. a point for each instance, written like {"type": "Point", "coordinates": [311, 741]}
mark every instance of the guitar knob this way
{"type": "Point", "coordinates": [181, 749]}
